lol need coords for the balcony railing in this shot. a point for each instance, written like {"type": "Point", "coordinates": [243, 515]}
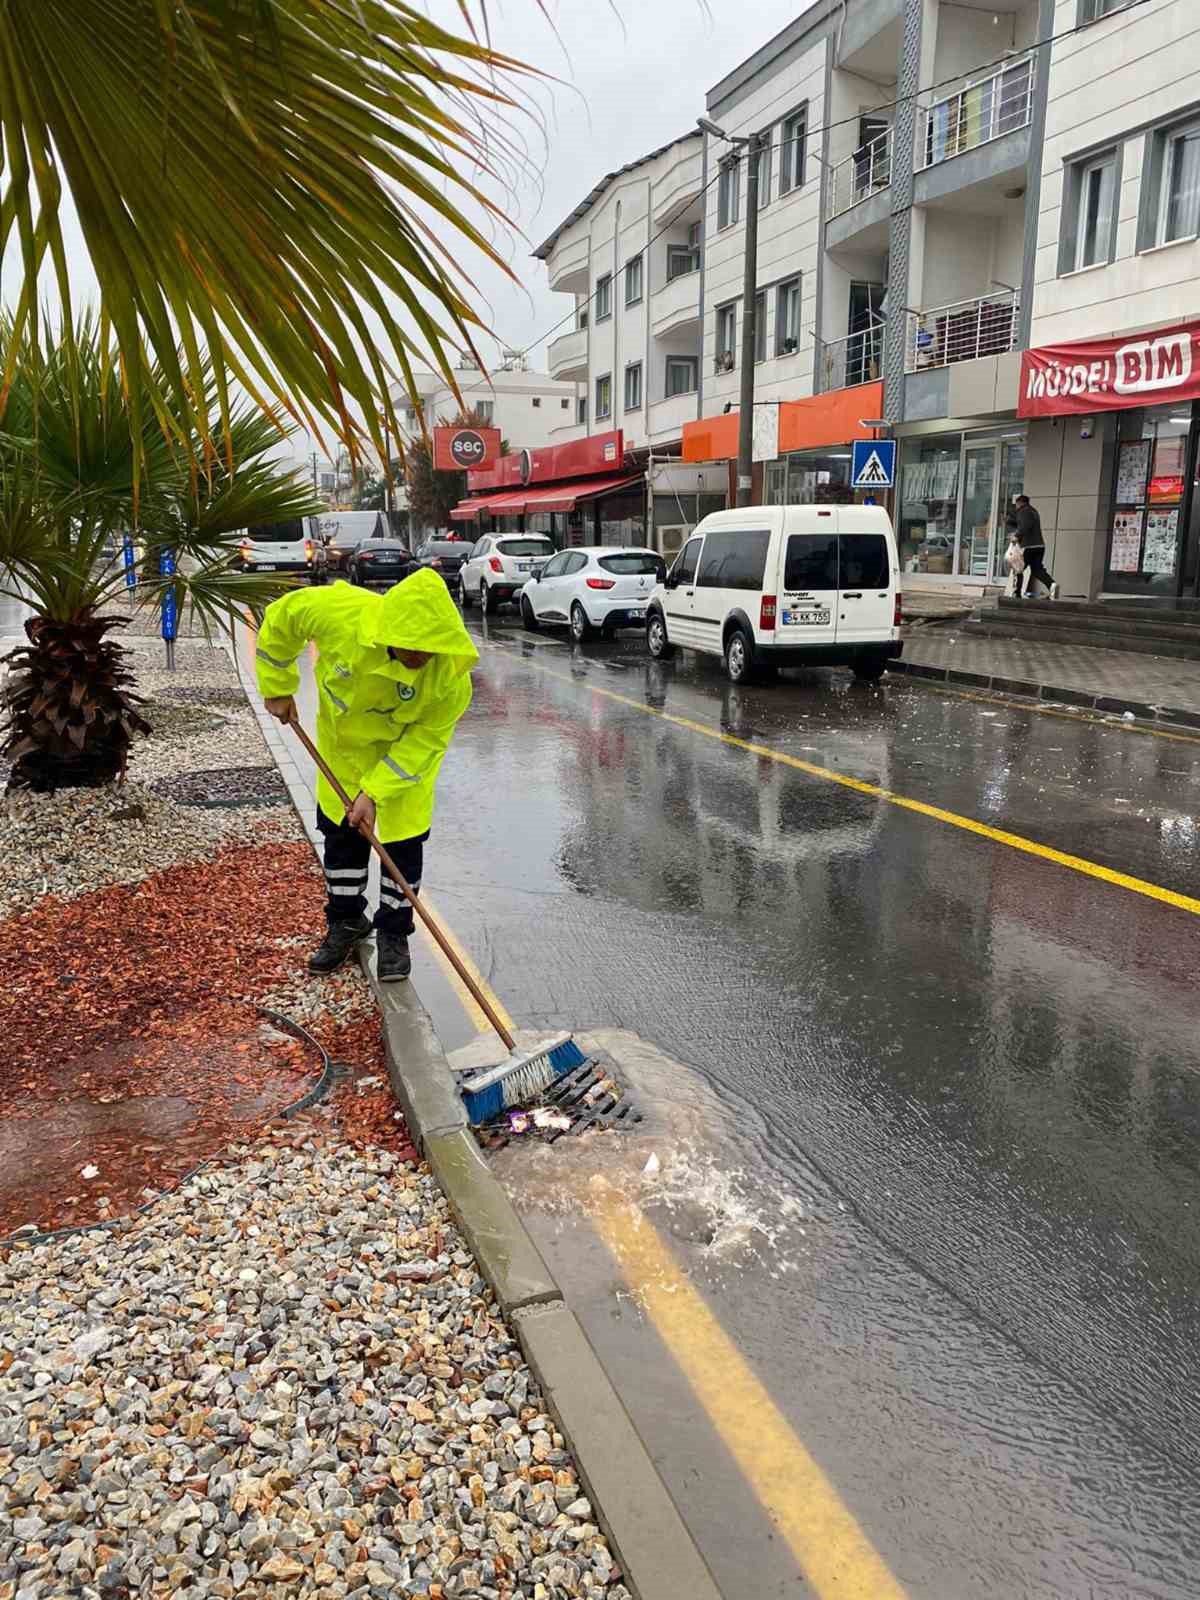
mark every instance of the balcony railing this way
{"type": "Point", "coordinates": [842, 363]}
{"type": "Point", "coordinates": [963, 331]}
{"type": "Point", "coordinates": [972, 116]}
{"type": "Point", "coordinates": [860, 175]}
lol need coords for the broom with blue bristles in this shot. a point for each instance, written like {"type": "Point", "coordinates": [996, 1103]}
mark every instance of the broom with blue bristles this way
{"type": "Point", "coordinates": [527, 1073]}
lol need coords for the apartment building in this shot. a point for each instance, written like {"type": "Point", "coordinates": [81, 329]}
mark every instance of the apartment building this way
{"type": "Point", "coordinates": [629, 255]}
{"type": "Point", "coordinates": [528, 407]}
{"type": "Point", "coordinates": [1112, 380]}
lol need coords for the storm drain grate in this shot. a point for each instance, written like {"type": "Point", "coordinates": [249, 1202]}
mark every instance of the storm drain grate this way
{"type": "Point", "coordinates": [588, 1097]}
{"type": "Point", "coordinates": [226, 786]}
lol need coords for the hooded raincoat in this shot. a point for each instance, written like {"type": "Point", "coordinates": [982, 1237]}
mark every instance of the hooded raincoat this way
{"type": "Point", "coordinates": [383, 727]}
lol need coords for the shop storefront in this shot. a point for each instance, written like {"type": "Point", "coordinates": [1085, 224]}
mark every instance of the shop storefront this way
{"type": "Point", "coordinates": [582, 493]}
{"type": "Point", "coordinates": [954, 503]}
{"type": "Point", "coordinates": [1142, 391]}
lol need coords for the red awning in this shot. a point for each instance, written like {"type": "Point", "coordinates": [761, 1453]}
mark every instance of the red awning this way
{"type": "Point", "coordinates": [549, 497]}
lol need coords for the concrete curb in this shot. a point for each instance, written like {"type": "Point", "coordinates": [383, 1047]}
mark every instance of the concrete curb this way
{"type": "Point", "coordinates": [1077, 699]}
{"type": "Point", "coordinates": [649, 1539]}
{"type": "Point", "coordinates": [656, 1552]}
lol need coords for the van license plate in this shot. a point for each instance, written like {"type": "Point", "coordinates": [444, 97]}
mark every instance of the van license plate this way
{"type": "Point", "coordinates": [810, 619]}
{"type": "Point", "coordinates": [265, 566]}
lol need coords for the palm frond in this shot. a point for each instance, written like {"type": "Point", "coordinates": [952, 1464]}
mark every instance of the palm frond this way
{"type": "Point", "coordinates": [253, 180]}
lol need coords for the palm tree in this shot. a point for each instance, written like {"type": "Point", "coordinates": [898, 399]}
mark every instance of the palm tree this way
{"type": "Point", "coordinates": [77, 471]}
{"type": "Point", "coordinates": [259, 181]}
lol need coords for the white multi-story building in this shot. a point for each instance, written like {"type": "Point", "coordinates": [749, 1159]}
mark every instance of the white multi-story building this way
{"type": "Point", "coordinates": [629, 254]}
{"type": "Point", "coordinates": [1118, 260]}
{"type": "Point", "coordinates": [527, 407]}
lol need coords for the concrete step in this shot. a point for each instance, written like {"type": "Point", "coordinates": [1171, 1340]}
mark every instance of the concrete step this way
{"type": "Point", "coordinates": [1169, 623]}
{"type": "Point", "coordinates": [993, 625]}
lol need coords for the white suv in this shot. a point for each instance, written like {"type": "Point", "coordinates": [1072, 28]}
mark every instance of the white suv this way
{"type": "Point", "coordinates": [601, 587]}
{"type": "Point", "coordinates": [784, 586]}
{"type": "Point", "coordinates": [499, 565]}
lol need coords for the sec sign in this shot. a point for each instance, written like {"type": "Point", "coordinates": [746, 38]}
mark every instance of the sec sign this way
{"type": "Point", "coordinates": [464, 449]}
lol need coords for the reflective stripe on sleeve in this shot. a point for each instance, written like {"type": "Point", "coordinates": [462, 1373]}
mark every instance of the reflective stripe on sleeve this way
{"type": "Point", "coordinates": [272, 661]}
{"type": "Point", "coordinates": [408, 777]}
{"type": "Point", "coordinates": [340, 704]}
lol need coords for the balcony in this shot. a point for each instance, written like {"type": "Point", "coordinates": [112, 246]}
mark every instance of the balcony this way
{"type": "Point", "coordinates": [855, 359]}
{"type": "Point", "coordinates": [667, 417]}
{"type": "Point", "coordinates": [975, 115]}
{"type": "Point", "coordinates": [679, 188]}
{"type": "Point", "coordinates": [675, 308]}
{"type": "Point", "coordinates": [861, 175]}
{"type": "Point", "coordinates": [964, 331]}
{"type": "Point", "coordinates": [567, 356]}
{"type": "Point", "coordinates": [568, 266]}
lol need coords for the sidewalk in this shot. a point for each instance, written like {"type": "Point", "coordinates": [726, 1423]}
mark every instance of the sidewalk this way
{"type": "Point", "coordinates": [1153, 688]}
{"type": "Point", "coordinates": [287, 1375]}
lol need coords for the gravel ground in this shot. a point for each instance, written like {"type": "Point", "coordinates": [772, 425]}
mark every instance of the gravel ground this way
{"type": "Point", "coordinates": [287, 1379]}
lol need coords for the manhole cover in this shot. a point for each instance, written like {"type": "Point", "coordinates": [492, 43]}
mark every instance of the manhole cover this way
{"type": "Point", "coordinates": [588, 1097]}
{"type": "Point", "coordinates": [193, 694]}
{"type": "Point", "coordinates": [226, 786]}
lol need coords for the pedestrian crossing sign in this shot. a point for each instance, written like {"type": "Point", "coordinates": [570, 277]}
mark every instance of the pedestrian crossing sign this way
{"type": "Point", "coordinates": [874, 464]}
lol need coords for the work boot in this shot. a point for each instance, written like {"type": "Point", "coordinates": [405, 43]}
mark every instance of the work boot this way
{"type": "Point", "coordinates": [338, 945]}
{"type": "Point", "coordinates": [394, 961]}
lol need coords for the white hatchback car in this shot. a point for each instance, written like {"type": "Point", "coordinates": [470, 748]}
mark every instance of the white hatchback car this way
{"type": "Point", "coordinates": [603, 587]}
{"type": "Point", "coordinates": [499, 565]}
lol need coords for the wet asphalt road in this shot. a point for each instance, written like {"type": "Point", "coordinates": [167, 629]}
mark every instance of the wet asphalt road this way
{"type": "Point", "coordinates": [945, 1173]}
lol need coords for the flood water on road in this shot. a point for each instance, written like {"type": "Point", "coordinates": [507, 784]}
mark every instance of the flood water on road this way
{"type": "Point", "coordinates": [961, 1078]}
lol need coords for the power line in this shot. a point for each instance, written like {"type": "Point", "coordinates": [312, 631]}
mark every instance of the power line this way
{"type": "Point", "coordinates": [810, 133]}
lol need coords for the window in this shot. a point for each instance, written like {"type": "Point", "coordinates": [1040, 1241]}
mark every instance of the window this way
{"type": "Point", "coordinates": [681, 259]}
{"type": "Point", "coordinates": [734, 559]}
{"type": "Point", "coordinates": [1095, 214]}
{"type": "Point", "coordinates": [554, 568]}
{"type": "Point", "coordinates": [537, 400]}
{"type": "Point", "coordinates": [1093, 10]}
{"type": "Point", "coordinates": [760, 325]}
{"type": "Point", "coordinates": [604, 297]}
{"type": "Point", "coordinates": [582, 320]}
{"type": "Point", "coordinates": [1179, 200]}
{"type": "Point", "coordinates": [791, 150]}
{"type": "Point", "coordinates": [729, 191]}
{"type": "Point", "coordinates": [684, 570]}
{"type": "Point", "coordinates": [811, 562]}
{"type": "Point", "coordinates": [631, 564]}
{"type": "Point", "coordinates": [764, 168]}
{"type": "Point", "coordinates": [604, 396]}
{"type": "Point", "coordinates": [485, 410]}
{"type": "Point", "coordinates": [581, 410]}
{"type": "Point", "coordinates": [566, 405]}
{"type": "Point", "coordinates": [727, 337]}
{"type": "Point", "coordinates": [863, 561]}
{"type": "Point", "coordinates": [633, 386]}
{"type": "Point", "coordinates": [633, 281]}
{"type": "Point", "coordinates": [787, 318]}
{"type": "Point", "coordinates": [525, 547]}
{"type": "Point", "coordinates": [575, 562]}
{"type": "Point", "coordinates": [683, 375]}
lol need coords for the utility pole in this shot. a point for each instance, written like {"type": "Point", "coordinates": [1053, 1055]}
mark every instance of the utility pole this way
{"type": "Point", "coordinates": [745, 465]}
{"type": "Point", "coordinates": [751, 146]}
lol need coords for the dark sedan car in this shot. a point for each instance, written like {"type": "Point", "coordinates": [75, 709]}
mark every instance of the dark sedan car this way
{"type": "Point", "coordinates": [379, 561]}
{"type": "Point", "coordinates": [446, 557]}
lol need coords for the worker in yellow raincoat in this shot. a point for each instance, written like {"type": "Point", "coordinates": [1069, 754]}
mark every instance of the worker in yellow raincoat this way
{"type": "Point", "coordinates": [393, 675]}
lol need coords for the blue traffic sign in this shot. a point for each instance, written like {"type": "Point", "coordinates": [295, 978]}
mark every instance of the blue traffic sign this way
{"type": "Point", "coordinates": [874, 464]}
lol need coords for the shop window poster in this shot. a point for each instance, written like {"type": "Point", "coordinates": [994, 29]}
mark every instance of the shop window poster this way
{"type": "Point", "coordinates": [1126, 542]}
{"type": "Point", "coordinates": [1133, 465]}
{"type": "Point", "coordinates": [1162, 541]}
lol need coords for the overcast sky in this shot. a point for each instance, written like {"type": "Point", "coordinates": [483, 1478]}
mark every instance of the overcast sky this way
{"type": "Point", "coordinates": [632, 75]}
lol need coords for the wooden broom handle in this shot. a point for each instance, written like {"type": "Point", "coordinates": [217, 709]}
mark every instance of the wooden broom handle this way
{"type": "Point", "coordinates": [413, 899]}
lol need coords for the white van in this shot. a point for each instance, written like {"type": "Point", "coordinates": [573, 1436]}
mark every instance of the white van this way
{"type": "Point", "coordinates": [783, 586]}
{"type": "Point", "coordinates": [278, 546]}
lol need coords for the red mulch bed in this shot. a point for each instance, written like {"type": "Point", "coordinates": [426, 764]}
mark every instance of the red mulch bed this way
{"type": "Point", "coordinates": [132, 1044]}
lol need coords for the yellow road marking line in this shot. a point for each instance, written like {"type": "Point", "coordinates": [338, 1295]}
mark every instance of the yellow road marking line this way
{"type": "Point", "coordinates": [833, 1552]}
{"type": "Point", "coordinates": [468, 1001]}
{"type": "Point", "coordinates": [1014, 841]}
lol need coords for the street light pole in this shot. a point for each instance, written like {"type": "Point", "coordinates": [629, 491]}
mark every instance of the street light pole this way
{"type": "Point", "coordinates": [745, 464]}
